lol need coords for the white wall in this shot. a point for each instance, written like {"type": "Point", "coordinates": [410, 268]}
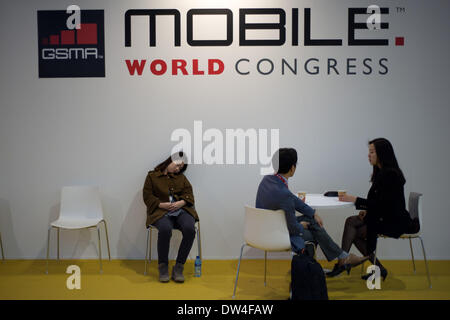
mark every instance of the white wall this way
{"type": "Point", "coordinates": [110, 131]}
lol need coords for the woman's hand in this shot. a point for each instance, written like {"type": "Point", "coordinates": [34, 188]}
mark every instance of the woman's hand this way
{"type": "Point", "coordinates": [165, 205]}
{"type": "Point", "coordinates": [347, 198]}
{"type": "Point", "coordinates": [177, 205]}
{"type": "Point", "coordinates": [362, 214]}
{"type": "Point", "coordinates": [305, 224]}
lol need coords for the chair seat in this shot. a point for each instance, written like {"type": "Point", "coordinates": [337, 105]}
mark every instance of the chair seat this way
{"type": "Point", "coordinates": [410, 235]}
{"type": "Point", "coordinates": [403, 236]}
{"type": "Point", "coordinates": [270, 247]}
{"type": "Point", "coordinates": [67, 223]}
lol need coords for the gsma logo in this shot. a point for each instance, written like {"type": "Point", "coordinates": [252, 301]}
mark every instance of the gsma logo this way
{"type": "Point", "coordinates": [67, 53]}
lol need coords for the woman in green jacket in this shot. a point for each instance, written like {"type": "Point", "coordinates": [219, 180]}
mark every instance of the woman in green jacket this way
{"type": "Point", "coordinates": [170, 204]}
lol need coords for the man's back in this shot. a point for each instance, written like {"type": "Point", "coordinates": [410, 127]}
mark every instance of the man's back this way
{"type": "Point", "coordinates": [273, 194]}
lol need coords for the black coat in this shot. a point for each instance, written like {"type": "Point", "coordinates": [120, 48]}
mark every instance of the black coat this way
{"type": "Point", "coordinates": [385, 205]}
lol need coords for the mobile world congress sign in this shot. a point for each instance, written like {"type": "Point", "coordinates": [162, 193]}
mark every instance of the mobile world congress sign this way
{"type": "Point", "coordinates": [72, 42]}
{"type": "Point", "coordinates": [299, 30]}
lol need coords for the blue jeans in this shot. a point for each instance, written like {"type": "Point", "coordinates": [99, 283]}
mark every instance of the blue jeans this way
{"type": "Point", "coordinates": [317, 234]}
{"type": "Point", "coordinates": [297, 243]}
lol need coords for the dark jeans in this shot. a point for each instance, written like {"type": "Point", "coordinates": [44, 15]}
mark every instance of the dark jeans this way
{"type": "Point", "coordinates": [186, 224]}
{"type": "Point", "coordinates": [355, 232]}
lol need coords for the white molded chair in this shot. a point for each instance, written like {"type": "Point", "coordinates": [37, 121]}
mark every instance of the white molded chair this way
{"type": "Point", "coordinates": [148, 250]}
{"type": "Point", "coordinates": [81, 208]}
{"type": "Point", "coordinates": [415, 210]}
{"type": "Point", "coordinates": [1, 246]}
{"type": "Point", "coordinates": [266, 230]}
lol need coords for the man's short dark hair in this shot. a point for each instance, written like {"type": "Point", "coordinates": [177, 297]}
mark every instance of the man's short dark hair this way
{"type": "Point", "coordinates": [284, 159]}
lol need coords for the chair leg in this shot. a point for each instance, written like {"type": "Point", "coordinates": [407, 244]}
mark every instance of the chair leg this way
{"type": "Point", "coordinates": [107, 240]}
{"type": "Point", "coordinates": [48, 246]}
{"type": "Point", "coordinates": [265, 267]}
{"type": "Point", "coordinates": [99, 250]}
{"type": "Point", "coordinates": [146, 252]}
{"type": "Point", "coordinates": [426, 262]}
{"type": "Point", "coordinates": [237, 273]}
{"type": "Point", "coordinates": [57, 245]}
{"type": "Point", "coordinates": [150, 247]}
{"type": "Point", "coordinates": [199, 242]}
{"type": "Point", "coordinates": [1, 245]}
{"type": "Point", "coordinates": [412, 255]}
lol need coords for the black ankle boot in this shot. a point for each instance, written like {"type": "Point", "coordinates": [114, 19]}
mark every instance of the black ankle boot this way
{"type": "Point", "coordinates": [338, 269]}
{"type": "Point", "coordinates": [163, 272]}
{"type": "Point", "coordinates": [177, 272]}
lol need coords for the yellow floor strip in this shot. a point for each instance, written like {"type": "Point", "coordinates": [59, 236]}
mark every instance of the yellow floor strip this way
{"type": "Point", "coordinates": [124, 279]}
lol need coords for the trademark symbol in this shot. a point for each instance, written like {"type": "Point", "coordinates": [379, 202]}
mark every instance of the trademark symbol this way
{"type": "Point", "coordinates": [401, 10]}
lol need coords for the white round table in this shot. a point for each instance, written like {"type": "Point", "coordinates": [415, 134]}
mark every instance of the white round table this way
{"type": "Point", "coordinates": [319, 201]}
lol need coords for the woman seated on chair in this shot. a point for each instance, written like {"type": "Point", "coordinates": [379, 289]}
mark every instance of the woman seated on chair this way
{"type": "Point", "coordinates": [384, 209]}
{"type": "Point", "coordinates": [170, 204]}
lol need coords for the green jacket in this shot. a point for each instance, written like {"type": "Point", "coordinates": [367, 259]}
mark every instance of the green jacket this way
{"type": "Point", "coordinates": [156, 190]}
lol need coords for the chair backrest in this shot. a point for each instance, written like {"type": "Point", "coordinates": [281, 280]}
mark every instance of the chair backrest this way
{"type": "Point", "coordinates": [81, 202]}
{"type": "Point", "coordinates": [266, 229]}
{"type": "Point", "coordinates": [415, 206]}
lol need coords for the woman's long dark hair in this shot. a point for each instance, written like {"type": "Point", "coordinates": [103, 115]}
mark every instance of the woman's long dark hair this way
{"type": "Point", "coordinates": [386, 158]}
{"type": "Point", "coordinates": [176, 156]}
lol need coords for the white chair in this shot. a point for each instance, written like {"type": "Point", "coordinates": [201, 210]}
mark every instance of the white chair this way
{"type": "Point", "coordinates": [148, 250]}
{"type": "Point", "coordinates": [415, 210]}
{"type": "Point", "coordinates": [1, 246]}
{"type": "Point", "coordinates": [266, 230]}
{"type": "Point", "coordinates": [81, 208]}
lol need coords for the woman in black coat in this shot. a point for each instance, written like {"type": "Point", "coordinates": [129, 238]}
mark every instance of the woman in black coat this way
{"type": "Point", "coordinates": [384, 210]}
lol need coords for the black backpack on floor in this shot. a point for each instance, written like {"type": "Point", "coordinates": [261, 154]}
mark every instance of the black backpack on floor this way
{"type": "Point", "coordinates": [307, 279]}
